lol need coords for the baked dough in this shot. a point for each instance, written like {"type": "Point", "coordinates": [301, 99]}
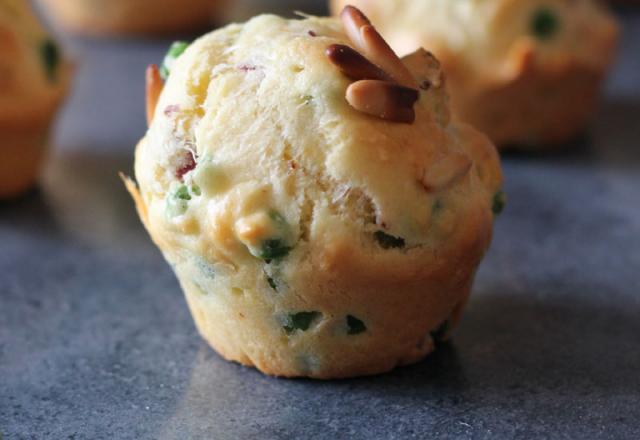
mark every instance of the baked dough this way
{"type": "Point", "coordinates": [114, 17]}
{"type": "Point", "coordinates": [526, 72]}
{"type": "Point", "coordinates": [33, 81]}
{"type": "Point", "coordinates": [311, 239]}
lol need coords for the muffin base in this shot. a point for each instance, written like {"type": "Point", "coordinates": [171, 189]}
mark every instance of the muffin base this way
{"type": "Point", "coordinates": [236, 313]}
{"type": "Point", "coordinates": [376, 357]}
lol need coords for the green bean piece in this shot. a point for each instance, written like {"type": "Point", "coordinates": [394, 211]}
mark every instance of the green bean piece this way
{"type": "Point", "coordinates": [499, 202]}
{"type": "Point", "coordinates": [387, 241]}
{"type": "Point", "coordinates": [355, 325]}
{"type": "Point", "coordinates": [300, 321]}
{"type": "Point", "coordinates": [271, 282]}
{"type": "Point", "coordinates": [175, 50]}
{"type": "Point", "coordinates": [50, 55]}
{"type": "Point", "coordinates": [544, 24]}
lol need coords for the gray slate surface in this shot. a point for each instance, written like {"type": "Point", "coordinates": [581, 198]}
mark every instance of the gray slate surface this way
{"type": "Point", "coordinates": [96, 341]}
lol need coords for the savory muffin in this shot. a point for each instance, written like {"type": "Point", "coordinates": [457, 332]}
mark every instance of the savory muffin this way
{"type": "Point", "coordinates": [33, 81]}
{"type": "Point", "coordinates": [524, 72]}
{"type": "Point", "coordinates": [323, 213]}
{"type": "Point", "coordinates": [113, 17]}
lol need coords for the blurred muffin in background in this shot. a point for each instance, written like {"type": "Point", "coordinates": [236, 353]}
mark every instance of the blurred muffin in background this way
{"type": "Point", "coordinates": [242, 10]}
{"type": "Point", "coordinates": [527, 73]}
{"type": "Point", "coordinates": [33, 81]}
{"type": "Point", "coordinates": [133, 17]}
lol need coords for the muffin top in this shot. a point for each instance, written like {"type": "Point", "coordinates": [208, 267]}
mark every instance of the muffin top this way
{"type": "Point", "coordinates": [255, 154]}
{"type": "Point", "coordinates": [487, 33]}
{"type": "Point", "coordinates": [33, 75]}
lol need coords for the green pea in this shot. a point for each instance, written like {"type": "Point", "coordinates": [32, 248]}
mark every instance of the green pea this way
{"type": "Point", "coordinates": [175, 50]}
{"type": "Point", "coordinates": [182, 193]}
{"type": "Point", "coordinates": [544, 24]}
{"type": "Point", "coordinates": [387, 241]}
{"type": "Point", "coordinates": [499, 202]}
{"type": "Point", "coordinates": [277, 244]}
{"type": "Point", "coordinates": [355, 325]}
{"type": "Point", "coordinates": [276, 247]}
{"type": "Point", "coordinates": [300, 321]}
{"type": "Point", "coordinates": [50, 55]}
{"type": "Point", "coordinates": [178, 201]}
{"type": "Point", "coordinates": [271, 282]}
{"type": "Point", "coordinates": [273, 249]}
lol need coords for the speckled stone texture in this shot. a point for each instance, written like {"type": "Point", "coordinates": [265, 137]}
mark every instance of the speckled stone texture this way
{"type": "Point", "coordinates": [96, 341]}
